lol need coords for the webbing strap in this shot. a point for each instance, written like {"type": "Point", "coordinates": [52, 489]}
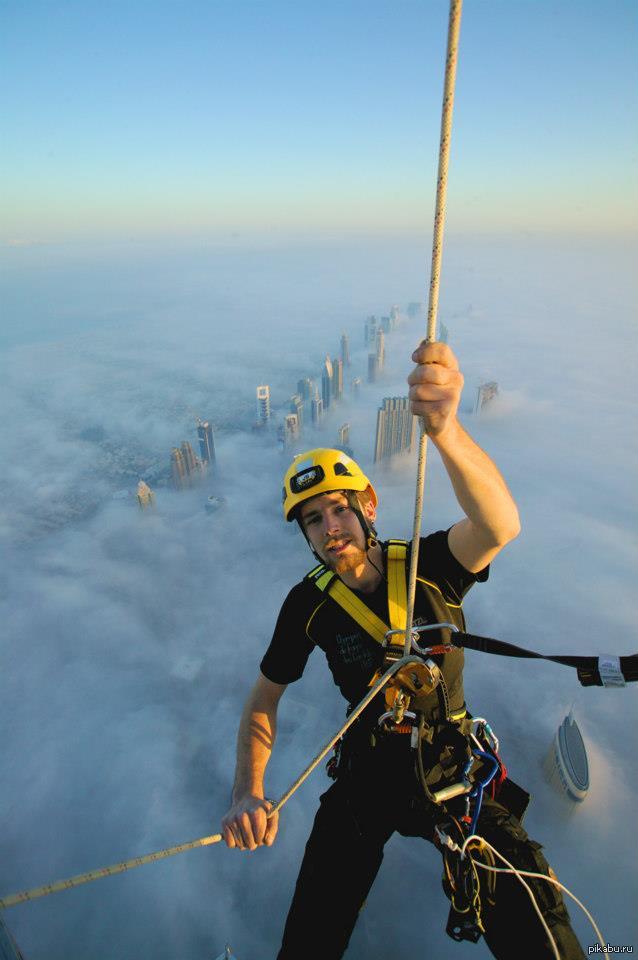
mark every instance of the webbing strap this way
{"type": "Point", "coordinates": [397, 590]}
{"type": "Point", "coordinates": [326, 581]}
{"type": "Point", "coordinates": [591, 670]}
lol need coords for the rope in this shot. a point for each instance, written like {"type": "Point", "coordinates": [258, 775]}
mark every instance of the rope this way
{"type": "Point", "coordinates": [82, 878]}
{"type": "Point", "coordinates": [454, 27]}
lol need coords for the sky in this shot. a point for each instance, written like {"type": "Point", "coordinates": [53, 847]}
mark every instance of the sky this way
{"type": "Point", "coordinates": [200, 198]}
{"type": "Point", "coordinates": [167, 118]}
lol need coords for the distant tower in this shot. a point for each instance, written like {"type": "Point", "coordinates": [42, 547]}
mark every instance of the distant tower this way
{"type": "Point", "coordinates": [373, 367]}
{"type": "Point", "coordinates": [178, 469]}
{"type": "Point", "coordinates": [415, 310]}
{"type": "Point", "coordinates": [395, 428]}
{"type": "Point", "coordinates": [145, 496]}
{"type": "Point", "coordinates": [394, 318]}
{"type": "Point", "coordinates": [189, 458]}
{"type": "Point", "coordinates": [326, 384]}
{"type": "Point", "coordinates": [306, 389]}
{"type": "Point", "coordinates": [370, 331]}
{"type": "Point", "coordinates": [380, 350]}
{"type": "Point", "coordinates": [344, 434]}
{"type": "Point", "coordinates": [317, 409]}
{"type": "Point", "coordinates": [263, 403]}
{"type": "Point", "coordinates": [337, 380]}
{"type": "Point", "coordinates": [296, 407]}
{"type": "Point", "coordinates": [484, 394]}
{"type": "Point", "coordinates": [356, 387]}
{"type": "Point", "coordinates": [443, 333]}
{"type": "Point", "coordinates": [291, 429]}
{"type": "Point", "coordinates": [345, 350]}
{"type": "Point", "coordinates": [385, 324]}
{"type": "Point", "coordinates": [206, 442]}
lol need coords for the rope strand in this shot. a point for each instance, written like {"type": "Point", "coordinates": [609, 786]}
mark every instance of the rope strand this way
{"type": "Point", "coordinates": [454, 27]}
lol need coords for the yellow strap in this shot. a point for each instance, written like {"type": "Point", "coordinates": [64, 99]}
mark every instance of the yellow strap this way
{"type": "Point", "coordinates": [365, 617]}
{"type": "Point", "coordinates": [397, 592]}
{"type": "Point", "coordinates": [356, 608]}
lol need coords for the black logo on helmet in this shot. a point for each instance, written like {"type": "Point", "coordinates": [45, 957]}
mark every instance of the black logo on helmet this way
{"type": "Point", "coordinates": [306, 479]}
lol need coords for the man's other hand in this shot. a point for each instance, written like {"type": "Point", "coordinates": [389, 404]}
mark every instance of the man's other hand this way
{"type": "Point", "coordinates": [246, 825]}
{"type": "Point", "coordinates": [435, 386]}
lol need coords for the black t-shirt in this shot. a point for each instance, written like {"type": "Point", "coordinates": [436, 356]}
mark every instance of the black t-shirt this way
{"type": "Point", "coordinates": [310, 618]}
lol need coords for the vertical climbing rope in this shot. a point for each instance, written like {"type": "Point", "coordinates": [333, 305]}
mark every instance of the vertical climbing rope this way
{"type": "Point", "coordinates": [454, 27]}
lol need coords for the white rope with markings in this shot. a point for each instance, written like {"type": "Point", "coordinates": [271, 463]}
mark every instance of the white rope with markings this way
{"type": "Point", "coordinates": [454, 27]}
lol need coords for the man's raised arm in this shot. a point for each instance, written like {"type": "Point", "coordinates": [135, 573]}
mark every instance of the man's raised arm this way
{"type": "Point", "coordinates": [491, 516]}
{"type": "Point", "coordinates": [246, 826]}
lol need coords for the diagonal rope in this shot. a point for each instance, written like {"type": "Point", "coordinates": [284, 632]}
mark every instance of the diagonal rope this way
{"type": "Point", "coordinates": [454, 27]}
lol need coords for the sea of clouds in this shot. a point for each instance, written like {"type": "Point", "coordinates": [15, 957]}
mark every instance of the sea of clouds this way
{"type": "Point", "coordinates": [130, 639]}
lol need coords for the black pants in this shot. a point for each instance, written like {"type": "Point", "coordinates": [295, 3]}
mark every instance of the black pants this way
{"type": "Point", "coordinates": [374, 796]}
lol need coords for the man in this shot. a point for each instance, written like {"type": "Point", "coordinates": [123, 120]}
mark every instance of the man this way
{"type": "Point", "coordinates": [376, 790]}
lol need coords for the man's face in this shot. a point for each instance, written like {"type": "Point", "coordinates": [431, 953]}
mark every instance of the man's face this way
{"type": "Point", "coordinates": [334, 531]}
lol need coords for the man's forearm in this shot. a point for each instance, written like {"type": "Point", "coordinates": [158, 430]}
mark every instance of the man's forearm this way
{"type": "Point", "coordinates": [255, 741]}
{"type": "Point", "coordinates": [478, 485]}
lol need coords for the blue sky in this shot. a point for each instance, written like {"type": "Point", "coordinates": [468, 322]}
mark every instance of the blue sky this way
{"type": "Point", "coordinates": [183, 118]}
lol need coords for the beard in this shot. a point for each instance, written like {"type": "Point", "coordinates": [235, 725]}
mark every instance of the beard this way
{"type": "Point", "coordinates": [353, 558]}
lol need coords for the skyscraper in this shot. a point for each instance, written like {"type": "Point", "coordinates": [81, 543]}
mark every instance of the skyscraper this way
{"type": "Point", "coordinates": [206, 442]}
{"type": "Point", "coordinates": [344, 434]}
{"type": "Point", "coordinates": [296, 407]}
{"type": "Point", "coordinates": [415, 310]}
{"type": "Point", "coordinates": [485, 393]}
{"type": "Point", "coordinates": [326, 384]}
{"type": "Point", "coordinates": [370, 331]}
{"type": "Point", "coordinates": [356, 387]}
{"type": "Point", "coordinates": [337, 380]}
{"type": "Point", "coordinates": [188, 456]}
{"type": "Point", "coordinates": [395, 428]}
{"type": "Point", "coordinates": [345, 350]}
{"type": "Point", "coordinates": [291, 429]}
{"type": "Point", "coordinates": [373, 367]}
{"type": "Point", "coordinates": [380, 350]}
{"type": "Point", "coordinates": [263, 403]}
{"type": "Point", "coordinates": [306, 389]}
{"type": "Point", "coordinates": [443, 333]}
{"type": "Point", "coordinates": [178, 469]}
{"type": "Point", "coordinates": [145, 496]}
{"type": "Point", "coordinates": [317, 409]}
{"type": "Point", "coordinates": [385, 324]}
{"type": "Point", "coordinates": [394, 317]}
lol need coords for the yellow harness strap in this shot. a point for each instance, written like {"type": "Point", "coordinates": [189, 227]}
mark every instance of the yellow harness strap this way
{"type": "Point", "coordinates": [373, 625]}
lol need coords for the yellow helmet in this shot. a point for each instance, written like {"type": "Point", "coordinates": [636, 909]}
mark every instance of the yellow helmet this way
{"type": "Point", "coordinates": [321, 471]}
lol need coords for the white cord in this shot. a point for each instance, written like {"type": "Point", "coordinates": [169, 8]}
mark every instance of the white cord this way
{"type": "Point", "coordinates": [527, 873]}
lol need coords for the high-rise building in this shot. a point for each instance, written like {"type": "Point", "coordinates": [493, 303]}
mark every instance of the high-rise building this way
{"type": "Point", "coordinates": [345, 349]}
{"type": "Point", "coordinates": [415, 310]}
{"type": "Point", "coordinates": [484, 394]}
{"type": "Point", "coordinates": [395, 428]}
{"type": "Point", "coordinates": [394, 317]}
{"type": "Point", "coordinates": [317, 409]}
{"type": "Point", "coordinates": [443, 333]}
{"type": "Point", "coordinates": [306, 389]}
{"type": "Point", "coordinates": [380, 350]}
{"type": "Point", "coordinates": [385, 324]}
{"type": "Point", "coordinates": [263, 403]}
{"type": "Point", "coordinates": [206, 442]}
{"type": "Point", "coordinates": [337, 380]}
{"type": "Point", "coordinates": [344, 434]}
{"type": "Point", "coordinates": [326, 384]}
{"type": "Point", "coordinates": [145, 496]}
{"type": "Point", "coordinates": [291, 429]}
{"type": "Point", "coordinates": [370, 331]}
{"type": "Point", "coordinates": [179, 473]}
{"type": "Point", "coordinates": [373, 367]}
{"type": "Point", "coordinates": [190, 462]}
{"type": "Point", "coordinates": [356, 387]}
{"type": "Point", "coordinates": [296, 407]}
